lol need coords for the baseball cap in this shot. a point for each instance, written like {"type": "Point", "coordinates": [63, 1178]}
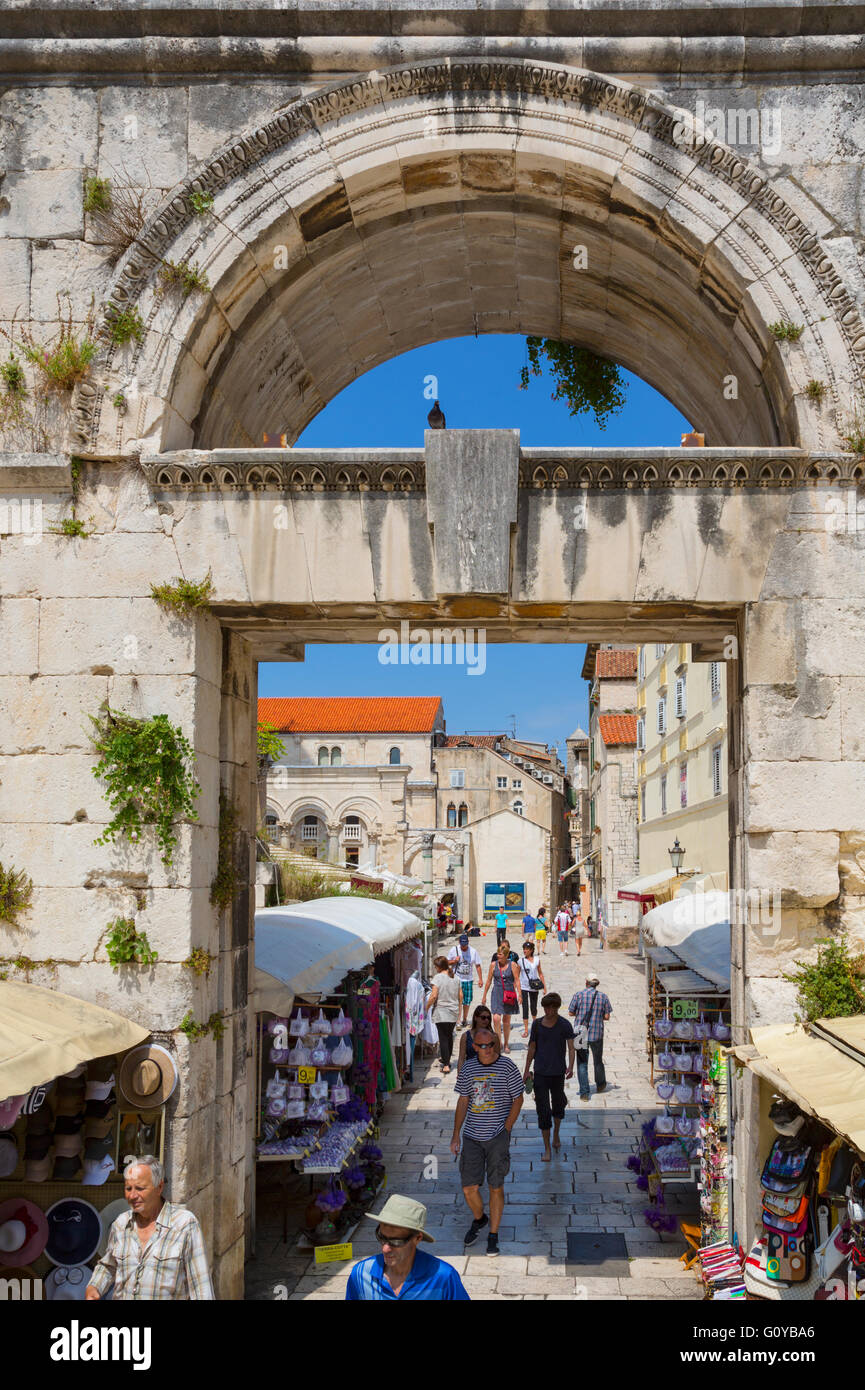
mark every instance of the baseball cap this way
{"type": "Point", "coordinates": [96, 1170]}
{"type": "Point", "coordinates": [464, 940]}
{"type": "Point", "coordinates": [592, 980]}
{"type": "Point", "coordinates": [100, 1090]}
{"type": "Point", "coordinates": [67, 1145]}
{"type": "Point", "coordinates": [37, 1169]}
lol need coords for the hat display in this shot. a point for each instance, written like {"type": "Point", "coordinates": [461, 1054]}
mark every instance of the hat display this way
{"type": "Point", "coordinates": [98, 1109]}
{"type": "Point", "coordinates": [98, 1129]}
{"type": "Point", "coordinates": [37, 1145]}
{"type": "Point", "coordinates": [36, 1098]}
{"type": "Point", "coordinates": [37, 1169]}
{"type": "Point", "coordinates": [74, 1229]}
{"type": "Point", "coordinates": [148, 1076]}
{"type": "Point", "coordinates": [66, 1104]}
{"type": "Point", "coordinates": [67, 1145]}
{"type": "Point", "coordinates": [66, 1169]}
{"type": "Point", "coordinates": [23, 1231]}
{"type": "Point", "coordinates": [108, 1215]}
{"type": "Point", "coordinates": [100, 1090]}
{"type": "Point", "coordinates": [41, 1122]}
{"type": "Point", "coordinates": [100, 1069]}
{"type": "Point", "coordinates": [405, 1212]}
{"type": "Point", "coordinates": [97, 1170]}
{"type": "Point", "coordinates": [68, 1124]}
{"type": "Point", "coordinates": [10, 1109]}
{"type": "Point", "coordinates": [98, 1148]}
{"type": "Point", "coordinates": [8, 1155]}
{"type": "Point", "coordinates": [66, 1283]}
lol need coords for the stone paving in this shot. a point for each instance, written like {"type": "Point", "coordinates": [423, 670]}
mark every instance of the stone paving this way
{"type": "Point", "coordinates": [586, 1187]}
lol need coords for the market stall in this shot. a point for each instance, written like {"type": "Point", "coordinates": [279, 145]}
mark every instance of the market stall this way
{"type": "Point", "coordinates": [810, 1243]}
{"type": "Point", "coordinates": [331, 981]}
{"type": "Point", "coordinates": [78, 1093]}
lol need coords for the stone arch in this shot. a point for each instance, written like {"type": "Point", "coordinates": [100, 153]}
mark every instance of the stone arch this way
{"type": "Point", "coordinates": [363, 806]}
{"type": "Point", "coordinates": [308, 806]}
{"type": "Point", "coordinates": [487, 175]}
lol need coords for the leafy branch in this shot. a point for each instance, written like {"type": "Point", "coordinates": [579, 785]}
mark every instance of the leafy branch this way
{"type": "Point", "coordinates": [587, 382]}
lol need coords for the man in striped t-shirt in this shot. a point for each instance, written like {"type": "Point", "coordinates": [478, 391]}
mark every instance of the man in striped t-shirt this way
{"type": "Point", "coordinates": [490, 1090]}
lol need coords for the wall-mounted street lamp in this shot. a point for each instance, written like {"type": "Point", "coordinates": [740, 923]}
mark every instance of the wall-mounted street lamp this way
{"type": "Point", "coordinates": [677, 854]}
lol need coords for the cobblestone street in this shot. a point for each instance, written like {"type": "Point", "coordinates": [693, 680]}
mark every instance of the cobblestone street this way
{"type": "Point", "coordinates": [587, 1186]}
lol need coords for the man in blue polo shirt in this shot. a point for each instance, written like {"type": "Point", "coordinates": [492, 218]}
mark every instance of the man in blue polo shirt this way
{"type": "Point", "coordinates": [402, 1271]}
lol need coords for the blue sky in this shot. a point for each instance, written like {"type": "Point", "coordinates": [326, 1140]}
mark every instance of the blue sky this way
{"type": "Point", "coordinates": [477, 383]}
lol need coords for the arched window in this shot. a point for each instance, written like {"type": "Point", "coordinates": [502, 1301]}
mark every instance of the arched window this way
{"type": "Point", "coordinates": [336, 757]}
{"type": "Point", "coordinates": [352, 830]}
{"type": "Point", "coordinates": [271, 827]}
{"type": "Point", "coordinates": [323, 757]}
{"type": "Point", "coordinates": [464, 814]}
{"type": "Point", "coordinates": [452, 816]}
{"type": "Point", "coordinates": [518, 807]}
{"type": "Point", "coordinates": [393, 757]}
{"type": "Point", "coordinates": [309, 829]}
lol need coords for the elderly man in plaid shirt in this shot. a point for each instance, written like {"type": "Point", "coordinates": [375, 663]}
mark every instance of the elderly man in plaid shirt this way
{"type": "Point", "coordinates": [155, 1250]}
{"type": "Point", "coordinates": [590, 1010]}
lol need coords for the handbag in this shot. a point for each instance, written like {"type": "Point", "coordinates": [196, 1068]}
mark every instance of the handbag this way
{"type": "Point", "coordinates": [509, 996]}
{"type": "Point", "coordinates": [664, 1026]}
{"type": "Point", "coordinates": [795, 1225]}
{"type": "Point", "coordinates": [319, 1055]}
{"type": "Point", "coordinates": [721, 1031]}
{"type": "Point", "coordinates": [341, 1025]}
{"type": "Point", "coordinates": [276, 1087]}
{"type": "Point", "coordinates": [279, 1056]}
{"type": "Point", "coordinates": [299, 1026]}
{"type": "Point", "coordinates": [299, 1056]}
{"type": "Point", "coordinates": [702, 1029]}
{"type": "Point", "coordinates": [665, 1124]}
{"type": "Point", "coordinates": [342, 1055]}
{"type": "Point", "coordinates": [685, 1126]}
{"type": "Point", "coordinates": [788, 1257]}
{"type": "Point", "coordinates": [665, 1090]}
{"type": "Point", "coordinates": [683, 1030]}
{"type": "Point", "coordinates": [683, 1063]}
{"type": "Point", "coordinates": [666, 1061]}
{"type": "Point", "coordinates": [684, 1092]}
{"type": "Point", "coordinates": [320, 1025]}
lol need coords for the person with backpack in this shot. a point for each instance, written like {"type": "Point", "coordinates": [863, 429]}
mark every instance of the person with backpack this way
{"type": "Point", "coordinates": [590, 1010]}
{"type": "Point", "coordinates": [531, 983]}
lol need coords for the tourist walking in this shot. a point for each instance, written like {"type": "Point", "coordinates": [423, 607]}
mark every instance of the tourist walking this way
{"type": "Point", "coordinates": [490, 1091]}
{"type": "Point", "coordinates": [579, 930]}
{"type": "Point", "coordinates": [602, 927]}
{"type": "Point", "coordinates": [444, 1001]}
{"type": "Point", "coordinates": [590, 1010]}
{"type": "Point", "coordinates": [403, 1270]}
{"type": "Point", "coordinates": [156, 1249]}
{"type": "Point", "coordinates": [481, 1018]}
{"type": "Point", "coordinates": [466, 962]}
{"type": "Point", "coordinates": [541, 930]}
{"type": "Point", "coordinates": [551, 1036]}
{"type": "Point", "coordinates": [528, 927]}
{"type": "Point", "coordinates": [563, 926]}
{"type": "Point", "coordinates": [504, 977]}
{"type": "Point", "coordinates": [501, 926]}
{"type": "Point", "coordinates": [531, 983]}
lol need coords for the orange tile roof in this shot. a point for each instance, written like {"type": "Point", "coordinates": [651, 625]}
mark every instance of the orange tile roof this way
{"type": "Point", "coordinates": [351, 714]}
{"type": "Point", "coordinates": [616, 663]}
{"type": "Point", "coordinates": [473, 740]}
{"type": "Point", "coordinates": [618, 728]}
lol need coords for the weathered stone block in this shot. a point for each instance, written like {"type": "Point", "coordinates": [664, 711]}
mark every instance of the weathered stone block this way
{"type": "Point", "coordinates": [123, 636]}
{"type": "Point", "coordinates": [49, 127]}
{"type": "Point", "coordinates": [791, 722]}
{"type": "Point", "coordinates": [853, 718]}
{"type": "Point", "coordinates": [472, 480]}
{"type": "Point", "coordinates": [852, 862]}
{"type": "Point", "coordinates": [770, 645]}
{"type": "Point", "coordinates": [155, 996]}
{"type": "Point", "coordinates": [142, 135]}
{"type": "Point", "coordinates": [19, 636]}
{"type": "Point", "coordinates": [70, 269]}
{"type": "Point", "coordinates": [802, 866]}
{"type": "Point", "coordinates": [15, 280]}
{"type": "Point", "coordinates": [834, 633]}
{"type": "Point", "coordinates": [53, 788]}
{"type": "Point", "coordinates": [45, 204]}
{"type": "Point", "coordinates": [804, 796]}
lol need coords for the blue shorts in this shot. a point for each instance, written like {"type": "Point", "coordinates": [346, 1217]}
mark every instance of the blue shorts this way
{"type": "Point", "coordinates": [562, 935]}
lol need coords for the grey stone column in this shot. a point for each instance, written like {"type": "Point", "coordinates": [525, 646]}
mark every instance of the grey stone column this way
{"type": "Point", "coordinates": [333, 829]}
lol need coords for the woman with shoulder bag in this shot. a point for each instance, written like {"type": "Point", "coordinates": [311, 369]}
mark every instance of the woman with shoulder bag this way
{"type": "Point", "coordinates": [531, 983]}
{"type": "Point", "coordinates": [504, 977]}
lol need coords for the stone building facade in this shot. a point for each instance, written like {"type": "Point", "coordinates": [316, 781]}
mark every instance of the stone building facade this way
{"type": "Point", "coordinates": [611, 672]}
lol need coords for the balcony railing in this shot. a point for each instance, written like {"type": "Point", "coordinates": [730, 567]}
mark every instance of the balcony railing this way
{"type": "Point", "coordinates": [351, 833]}
{"type": "Point", "coordinates": [309, 832]}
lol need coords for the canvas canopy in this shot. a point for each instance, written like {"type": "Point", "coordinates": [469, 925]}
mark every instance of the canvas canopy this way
{"type": "Point", "coordinates": [697, 928]}
{"type": "Point", "coordinates": [813, 1071]}
{"type": "Point", "coordinates": [655, 886]}
{"type": "Point", "coordinates": [307, 948]}
{"type": "Point", "coordinates": [44, 1034]}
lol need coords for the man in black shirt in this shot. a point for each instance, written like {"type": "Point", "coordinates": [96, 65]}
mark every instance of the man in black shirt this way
{"type": "Point", "coordinates": [548, 1040]}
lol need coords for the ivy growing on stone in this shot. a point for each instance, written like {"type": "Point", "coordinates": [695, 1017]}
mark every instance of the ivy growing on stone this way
{"type": "Point", "coordinates": [587, 382]}
{"type": "Point", "coordinates": [146, 765]}
{"type": "Point", "coordinates": [225, 885]}
{"type": "Point", "coordinates": [16, 894]}
{"type": "Point", "coordinates": [125, 945]}
{"type": "Point", "coordinates": [834, 985]}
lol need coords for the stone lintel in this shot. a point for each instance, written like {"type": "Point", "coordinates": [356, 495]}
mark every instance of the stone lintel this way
{"type": "Point", "coordinates": [35, 473]}
{"type": "Point", "coordinates": [472, 482]}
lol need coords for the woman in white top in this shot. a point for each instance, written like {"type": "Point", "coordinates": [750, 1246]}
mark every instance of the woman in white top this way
{"type": "Point", "coordinates": [444, 1001]}
{"type": "Point", "coordinates": [531, 983]}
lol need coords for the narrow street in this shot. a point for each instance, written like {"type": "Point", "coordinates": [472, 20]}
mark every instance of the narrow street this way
{"type": "Point", "coordinates": [587, 1186]}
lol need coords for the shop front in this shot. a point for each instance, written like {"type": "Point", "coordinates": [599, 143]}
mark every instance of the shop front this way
{"type": "Point", "coordinates": [333, 981]}
{"type": "Point", "coordinates": [80, 1093]}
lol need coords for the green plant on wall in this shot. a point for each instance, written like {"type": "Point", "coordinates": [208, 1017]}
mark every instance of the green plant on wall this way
{"type": "Point", "coordinates": [215, 1025]}
{"type": "Point", "coordinates": [270, 745]}
{"type": "Point", "coordinates": [183, 595]}
{"type": "Point", "coordinates": [786, 332]}
{"type": "Point", "coordinates": [183, 276]}
{"type": "Point", "coordinates": [201, 203]}
{"type": "Point", "coordinates": [587, 382]}
{"type": "Point", "coordinates": [16, 894]}
{"type": "Point", "coordinates": [124, 945]}
{"type": "Point", "coordinates": [146, 765]}
{"type": "Point", "coordinates": [833, 986]}
{"type": "Point", "coordinates": [225, 885]}
{"type": "Point", "coordinates": [97, 195]}
{"type": "Point", "coordinates": [70, 526]}
{"type": "Point", "coordinates": [125, 324]}
{"type": "Point", "coordinates": [199, 961]}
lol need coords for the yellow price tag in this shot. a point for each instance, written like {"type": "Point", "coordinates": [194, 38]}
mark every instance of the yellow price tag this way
{"type": "Point", "coordinates": [332, 1254]}
{"type": "Point", "coordinates": [306, 1075]}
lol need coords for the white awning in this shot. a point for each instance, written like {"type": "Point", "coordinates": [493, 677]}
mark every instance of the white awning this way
{"type": "Point", "coordinates": [308, 948]}
{"type": "Point", "coordinates": [44, 1034]}
{"type": "Point", "coordinates": [649, 886]}
{"type": "Point", "coordinates": [696, 926]}
{"type": "Point", "coordinates": [579, 864]}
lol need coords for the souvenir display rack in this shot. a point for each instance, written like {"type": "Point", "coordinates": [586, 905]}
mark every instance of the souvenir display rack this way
{"type": "Point", "coordinates": [714, 1180]}
{"type": "Point", "coordinates": [680, 995]}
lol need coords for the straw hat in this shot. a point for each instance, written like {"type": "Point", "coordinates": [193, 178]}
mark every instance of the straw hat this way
{"type": "Point", "coordinates": [23, 1231]}
{"type": "Point", "coordinates": [147, 1076]}
{"type": "Point", "coordinates": [402, 1211]}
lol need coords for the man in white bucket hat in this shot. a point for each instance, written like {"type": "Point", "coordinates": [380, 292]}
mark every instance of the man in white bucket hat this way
{"type": "Point", "coordinates": [402, 1270]}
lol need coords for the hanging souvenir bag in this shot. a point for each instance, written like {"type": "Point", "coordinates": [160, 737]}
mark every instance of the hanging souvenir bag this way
{"type": "Point", "coordinates": [666, 1061]}
{"type": "Point", "coordinates": [685, 1126]}
{"type": "Point", "coordinates": [721, 1031]}
{"type": "Point", "coordinates": [341, 1025]}
{"type": "Point", "coordinates": [318, 1090]}
{"type": "Point", "coordinates": [796, 1223]}
{"type": "Point", "coordinates": [276, 1107]}
{"type": "Point", "coordinates": [295, 1109]}
{"type": "Point", "coordinates": [684, 1092]}
{"type": "Point", "coordinates": [684, 1063]}
{"type": "Point", "coordinates": [276, 1087]}
{"type": "Point", "coordinates": [664, 1026]}
{"type": "Point", "coordinates": [683, 1030]}
{"type": "Point", "coordinates": [319, 1057]}
{"type": "Point", "coordinates": [665, 1090]}
{"type": "Point", "coordinates": [296, 1091]}
{"type": "Point", "coordinates": [299, 1026]}
{"type": "Point", "coordinates": [317, 1110]}
{"type": "Point", "coordinates": [789, 1162]}
{"type": "Point", "coordinates": [342, 1055]}
{"type": "Point", "coordinates": [697, 1063]}
{"type": "Point", "coordinates": [320, 1025]}
{"type": "Point", "coordinates": [339, 1093]}
{"type": "Point", "coordinates": [279, 1056]}
{"type": "Point", "coordinates": [665, 1124]}
{"type": "Point", "coordinates": [299, 1056]}
{"type": "Point", "coordinates": [702, 1029]}
{"type": "Point", "coordinates": [789, 1258]}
